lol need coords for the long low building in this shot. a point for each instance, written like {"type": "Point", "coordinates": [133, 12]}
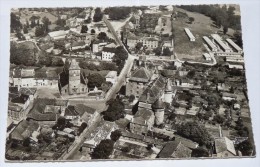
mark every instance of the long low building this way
{"type": "Point", "coordinates": [219, 41]}
{"type": "Point", "coordinates": [235, 59]}
{"type": "Point", "coordinates": [212, 46]}
{"type": "Point", "coordinates": [234, 45]}
{"type": "Point", "coordinates": [190, 35]}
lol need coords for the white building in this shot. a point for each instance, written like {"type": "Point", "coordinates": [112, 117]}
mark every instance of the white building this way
{"type": "Point", "coordinates": [212, 46]}
{"type": "Point", "coordinates": [234, 45]}
{"type": "Point", "coordinates": [190, 35]}
{"type": "Point", "coordinates": [111, 77]}
{"type": "Point", "coordinates": [207, 56]}
{"type": "Point", "coordinates": [108, 52]}
{"type": "Point", "coordinates": [56, 35]}
{"type": "Point", "coordinates": [221, 44]}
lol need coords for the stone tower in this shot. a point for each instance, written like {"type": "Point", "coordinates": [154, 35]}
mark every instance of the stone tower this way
{"type": "Point", "coordinates": [158, 108]}
{"type": "Point", "coordinates": [168, 92]}
{"type": "Point", "coordinates": [74, 77]}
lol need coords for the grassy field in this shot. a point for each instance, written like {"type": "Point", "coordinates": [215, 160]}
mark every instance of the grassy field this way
{"type": "Point", "coordinates": [202, 26]}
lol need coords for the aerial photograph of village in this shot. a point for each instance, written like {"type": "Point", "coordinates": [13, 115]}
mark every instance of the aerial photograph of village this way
{"type": "Point", "coordinates": [127, 83]}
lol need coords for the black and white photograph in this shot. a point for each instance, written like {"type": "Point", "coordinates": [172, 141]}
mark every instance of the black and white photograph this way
{"type": "Point", "coordinates": [139, 82]}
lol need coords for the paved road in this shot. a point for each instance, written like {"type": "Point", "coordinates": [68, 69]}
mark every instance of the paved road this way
{"type": "Point", "coordinates": [111, 94]}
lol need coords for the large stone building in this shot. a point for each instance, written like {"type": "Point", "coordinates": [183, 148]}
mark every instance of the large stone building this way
{"type": "Point", "coordinates": [33, 77]}
{"type": "Point", "coordinates": [72, 80]}
{"type": "Point", "coordinates": [138, 82]}
{"type": "Point", "coordinates": [149, 42]}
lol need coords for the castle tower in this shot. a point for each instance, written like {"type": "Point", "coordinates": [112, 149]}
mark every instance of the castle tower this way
{"type": "Point", "coordinates": [158, 108]}
{"type": "Point", "coordinates": [74, 77]}
{"type": "Point", "coordinates": [168, 92]}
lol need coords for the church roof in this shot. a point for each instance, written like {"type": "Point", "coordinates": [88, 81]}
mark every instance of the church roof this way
{"type": "Point", "coordinates": [74, 65]}
{"type": "Point", "coordinates": [141, 75]}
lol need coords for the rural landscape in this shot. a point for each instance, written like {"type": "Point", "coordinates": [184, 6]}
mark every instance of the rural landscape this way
{"type": "Point", "coordinates": [127, 83]}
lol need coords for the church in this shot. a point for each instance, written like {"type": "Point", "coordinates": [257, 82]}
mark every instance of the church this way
{"type": "Point", "coordinates": [71, 80]}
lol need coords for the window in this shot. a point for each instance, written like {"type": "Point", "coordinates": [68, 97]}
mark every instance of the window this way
{"type": "Point", "coordinates": [82, 89]}
{"type": "Point", "coordinates": [65, 90]}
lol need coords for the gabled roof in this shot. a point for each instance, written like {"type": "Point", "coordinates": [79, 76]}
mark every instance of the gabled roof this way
{"type": "Point", "coordinates": [175, 149]}
{"type": "Point", "coordinates": [224, 144]}
{"type": "Point", "coordinates": [153, 91]}
{"type": "Point", "coordinates": [27, 91]}
{"type": "Point", "coordinates": [78, 109]}
{"type": "Point", "coordinates": [38, 111]}
{"type": "Point", "coordinates": [20, 99]}
{"type": "Point", "coordinates": [141, 75]}
{"type": "Point", "coordinates": [142, 116]}
{"type": "Point", "coordinates": [24, 130]}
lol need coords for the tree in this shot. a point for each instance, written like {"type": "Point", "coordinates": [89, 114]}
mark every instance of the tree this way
{"type": "Point", "coordinates": [117, 13]}
{"type": "Point", "coordinates": [166, 52]}
{"type": "Point", "coordinates": [25, 30]}
{"type": "Point", "coordinates": [22, 54]}
{"type": "Point", "coordinates": [191, 74]}
{"type": "Point", "coordinates": [131, 98]}
{"type": "Point", "coordinates": [196, 132]}
{"type": "Point", "coordinates": [219, 119]}
{"type": "Point", "coordinates": [39, 31]}
{"type": "Point", "coordinates": [82, 127]}
{"type": "Point", "coordinates": [191, 19]}
{"type": "Point", "coordinates": [245, 147]}
{"type": "Point", "coordinates": [95, 80]}
{"type": "Point", "coordinates": [84, 29]}
{"type": "Point", "coordinates": [60, 22]}
{"type": "Point", "coordinates": [46, 22]}
{"type": "Point", "coordinates": [138, 46]}
{"type": "Point", "coordinates": [120, 57]}
{"type": "Point", "coordinates": [115, 135]}
{"type": "Point", "coordinates": [92, 31]}
{"type": "Point", "coordinates": [225, 29]}
{"type": "Point", "coordinates": [44, 59]}
{"type": "Point", "coordinates": [98, 15]}
{"type": "Point", "coordinates": [115, 110]}
{"type": "Point", "coordinates": [57, 61]}
{"type": "Point", "coordinates": [102, 36]}
{"type": "Point", "coordinates": [26, 142]}
{"type": "Point", "coordinates": [157, 51]}
{"type": "Point", "coordinates": [103, 149]}
{"type": "Point", "coordinates": [15, 23]}
{"type": "Point", "coordinates": [199, 152]}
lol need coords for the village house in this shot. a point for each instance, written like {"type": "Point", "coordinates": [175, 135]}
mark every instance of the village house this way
{"type": "Point", "coordinates": [108, 52]}
{"type": "Point", "coordinates": [31, 77]}
{"type": "Point", "coordinates": [228, 96]}
{"type": "Point", "coordinates": [138, 81]}
{"type": "Point", "coordinates": [98, 46]}
{"type": "Point", "coordinates": [80, 113]}
{"type": "Point", "coordinates": [24, 130]}
{"type": "Point", "coordinates": [57, 35]}
{"type": "Point", "coordinates": [47, 111]}
{"type": "Point", "coordinates": [101, 132]}
{"type": "Point", "coordinates": [224, 147]}
{"type": "Point", "coordinates": [149, 42]}
{"type": "Point", "coordinates": [175, 149]}
{"type": "Point", "coordinates": [15, 112]}
{"type": "Point", "coordinates": [111, 77]}
{"type": "Point", "coordinates": [142, 121]}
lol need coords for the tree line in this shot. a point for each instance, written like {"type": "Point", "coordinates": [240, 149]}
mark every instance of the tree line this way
{"type": "Point", "coordinates": [222, 16]}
